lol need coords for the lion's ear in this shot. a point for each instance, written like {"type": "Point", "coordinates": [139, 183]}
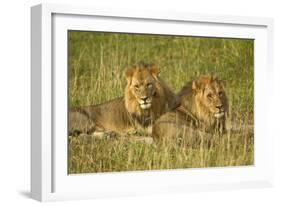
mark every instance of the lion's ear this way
{"type": "Point", "coordinates": [154, 69]}
{"type": "Point", "coordinates": [195, 86]}
{"type": "Point", "coordinates": [129, 73]}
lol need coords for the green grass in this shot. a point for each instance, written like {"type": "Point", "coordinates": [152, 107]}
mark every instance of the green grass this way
{"type": "Point", "coordinates": [97, 62]}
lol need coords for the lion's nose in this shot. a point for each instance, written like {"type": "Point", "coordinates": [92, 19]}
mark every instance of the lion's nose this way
{"type": "Point", "coordinates": [144, 98]}
{"type": "Point", "coordinates": [219, 106]}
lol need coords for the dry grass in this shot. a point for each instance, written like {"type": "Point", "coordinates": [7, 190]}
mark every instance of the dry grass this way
{"type": "Point", "coordinates": [96, 66]}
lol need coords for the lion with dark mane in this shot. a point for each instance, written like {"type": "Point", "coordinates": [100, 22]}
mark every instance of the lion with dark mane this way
{"type": "Point", "coordinates": [146, 98]}
{"type": "Point", "coordinates": [200, 107]}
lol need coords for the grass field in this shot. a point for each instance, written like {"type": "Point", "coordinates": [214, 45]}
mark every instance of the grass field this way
{"type": "Point", "coordinates": [97, 62]}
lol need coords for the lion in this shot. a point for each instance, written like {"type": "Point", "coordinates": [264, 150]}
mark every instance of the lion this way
{"type": "Point", "coordinates": [145, 99]}
{"type": "Point", "coordinates": [200, 107]}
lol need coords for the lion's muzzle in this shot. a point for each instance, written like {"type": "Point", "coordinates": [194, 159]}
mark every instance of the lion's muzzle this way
{"type": "Point", "coordinates": [145, 102]}
{"type": "Point", "coordinates": [219, 115]}
{"type": "Point", "coordinates": [220, 111]}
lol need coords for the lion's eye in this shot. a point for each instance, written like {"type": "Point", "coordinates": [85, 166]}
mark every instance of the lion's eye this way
{"type": "Point", "coordinates": [209, 96]}
{"type": "Point", "coordinates": [136, 86]}
{"type": "Point", "coordinates": [220, 94]}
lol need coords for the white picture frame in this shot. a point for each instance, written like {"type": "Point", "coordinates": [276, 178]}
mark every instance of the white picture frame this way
{"type": "Point", "coordinates": [49, 178]}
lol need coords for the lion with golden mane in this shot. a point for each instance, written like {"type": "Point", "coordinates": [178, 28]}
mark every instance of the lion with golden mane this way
{"type": "Point", "coordinates": [200, 107]}
{"type": "Point", "coordinates": [146, 98]}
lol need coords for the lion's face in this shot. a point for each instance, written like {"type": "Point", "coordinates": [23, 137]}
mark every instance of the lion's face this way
{"type": "Point", "coordinates": [210, 96]}
{"type": "Point", "coordinates": [143, 89]}
{"type": "Point", "coordinates": [141, 81]}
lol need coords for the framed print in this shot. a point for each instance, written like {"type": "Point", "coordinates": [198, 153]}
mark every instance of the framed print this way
{"type": "Point", "coordinates": [137, 102]}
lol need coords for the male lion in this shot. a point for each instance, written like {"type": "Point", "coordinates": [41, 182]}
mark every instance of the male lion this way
{"type": "Point", "coordinates": [145, 99]}
{"type": "Point", "coordinates": [200, 107]}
